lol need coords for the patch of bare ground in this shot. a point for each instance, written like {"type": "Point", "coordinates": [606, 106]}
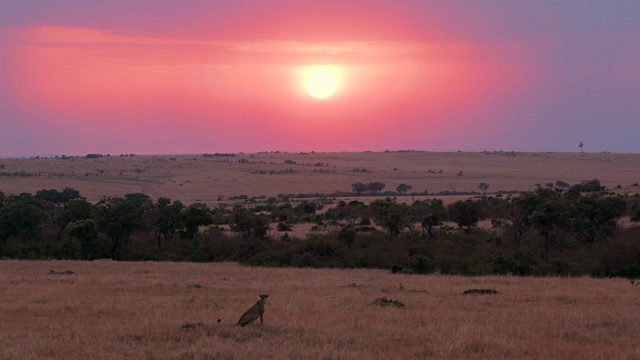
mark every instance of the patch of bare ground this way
{"type": "Point", "coordinates": [113, 310]}
{"type": "Point", "coordinates": [196, 178]}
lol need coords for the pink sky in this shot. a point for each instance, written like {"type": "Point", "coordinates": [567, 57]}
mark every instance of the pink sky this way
{"type": "Point", "coordinates": [228, 78]}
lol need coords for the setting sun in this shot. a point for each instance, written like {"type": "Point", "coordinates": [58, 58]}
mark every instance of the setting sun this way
{"type": "Point", "coordinates": [321, 82]}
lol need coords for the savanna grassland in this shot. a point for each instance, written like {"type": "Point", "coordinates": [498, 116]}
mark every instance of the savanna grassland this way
{"type": "Point", "coordinates": [153, 310]}
{"type": "Point", "coordinates": [196, 178]}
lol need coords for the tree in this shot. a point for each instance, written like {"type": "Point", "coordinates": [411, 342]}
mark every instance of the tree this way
{"type": "Point", "coordinates": [635, 212]}
{"type": "Point", "coordinates": [75, 210]}
{"type": "Point", "coordinates": [390, 215]}
{"type": "Point", "coordinates": [466, 214]}
{"type": "Point", "coordinates": [517, 212]}
{"type": "Point", "coordinates": [588, 186]}
{"type": "Point", "coordinates": [247, 223]}
{"type": "Point", "coordinates": [118, 218]}
{"type": "Point", "coordinates": [595, 218]}
{"type": "Point", "coordinates": [348, 233]}
{"type": "Point", "coordinates": [87, 232]}
{"type": "Point", "coordinates": [580, 146]}
{"type": "Point", "coordinates": [358, 188]}
{"type": "Point", "coordinates": [375, 186]}
{"type": "Point", "coordinates": [353, 210]}
{"type": "Point", "coordinates": [561, 186]}
{"type": "Point", "coordinates": [549, 217]}
{"type": "Point", "coordinates": [483, 187]}
{"type": "Point", "coordinates": [433, 217]}
{"type": "Point", "coordinates": [427, 213]}
{"type": "Point", "coordinates": [138, 199]}
{"type": "Point", "coordinates": [193, 217]}
{"type": "Point", "coordinates": [403, 188]}
{"type": "Point", "coordinates": [58, 197]}
{"type": "Point", "coordinates": [21, 216]}
{"type": "Point", "coordinates": [165, 218]}
{"type": "Point", "coordinates": [306, 207]}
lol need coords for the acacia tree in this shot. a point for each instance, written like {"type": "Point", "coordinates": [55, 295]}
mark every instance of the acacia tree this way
{"type": "Point", "coordinates": [595, 218]}
{"type": "Point", "coordinates": [193, 217]}
{"type": "Point", "coordinates": [250, 225]}
{"type": "Point", "coordinates": [466, 214]}
{"type": "Point", "coordinates": [561, 186]}
{"type": "Point", "coordinates": [79, 209]}
{"type": "Point", "coordinates": [87, 232]}
{"type": "Point", "coordinates": [165, 218]}
{"type": "Point", "coordinates": [21, 216]}
{"type": "Point", "coordinates": [358, 188]}
{"type": "Point", "coordinates": [58, 197]}
{"type": "Point", "coordinates": [348, 232]}
{"type": "Point", "coordinates": [517, 213]}
{"type": "Point", "coordinates": [390, 215]}
{"type": "Point", "coordinates": [483, 187]}
{"type": "Point", "coordinates": [434, 217]}
{"type": "Point", "coordinates": [550, 218]}
{"type": "Point", "coordinates": [118, 218]}
{"type": "Point", "coordinates": [376, 186]}
{"type": "Point", "coordinates": [403, 188]}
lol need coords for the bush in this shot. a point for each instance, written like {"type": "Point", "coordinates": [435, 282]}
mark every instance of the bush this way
{"type": "Point", "coordinates": [383, 301]}
{"type": "Point", "coordinates": [418, 264]}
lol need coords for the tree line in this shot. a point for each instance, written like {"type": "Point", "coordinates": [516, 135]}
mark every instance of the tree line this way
{"type": "Point", "coordinates": [545, 232]}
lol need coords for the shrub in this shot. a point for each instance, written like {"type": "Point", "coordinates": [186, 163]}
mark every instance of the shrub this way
{"type": "Point", "coordinates": [418, 264]}
{"type": "Point", "coordinates": [383, 301]}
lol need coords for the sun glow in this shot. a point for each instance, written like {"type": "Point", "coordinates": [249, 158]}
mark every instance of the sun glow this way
{"type": "Point", "coordinates": [321, 81]}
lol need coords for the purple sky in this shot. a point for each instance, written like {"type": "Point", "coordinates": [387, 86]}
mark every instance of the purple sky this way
{"type": "Point", "coordinates": [156, 76]}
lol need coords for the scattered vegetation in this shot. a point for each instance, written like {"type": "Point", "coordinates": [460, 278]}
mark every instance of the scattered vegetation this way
{"type": "Point", "coordinates": [480, 292]}
{"type": "Point", "coordinates": [383, 301]}
{"type": "Point", "coordinates": [544, 232]}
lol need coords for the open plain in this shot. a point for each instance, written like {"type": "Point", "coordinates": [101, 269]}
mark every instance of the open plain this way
{"type": "Point", "coordinates": [198, 178]}
{"type": "Point", "coordinates": [146, 310]}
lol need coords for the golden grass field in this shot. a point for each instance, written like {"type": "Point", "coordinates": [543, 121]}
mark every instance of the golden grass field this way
{"type": "Point", "coordinates": [194, 178]}
{"type": "Point", "coordinates": [113, 310]}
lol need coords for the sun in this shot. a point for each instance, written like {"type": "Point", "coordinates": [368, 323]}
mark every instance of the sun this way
{"type": "Point", "coordinates": [321, 82]}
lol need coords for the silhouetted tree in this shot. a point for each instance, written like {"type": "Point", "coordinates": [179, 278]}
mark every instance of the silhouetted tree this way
{"type": "Point", "coordinates": [21, 216]}
{"type": "Point", "coordinates": [348, 233]}
{"type": "Point", "coordinates": [58, 197]}
{"type": "Point", "coordinates": [390, 215]}
{"type": "Point", "coordinates": [306, 207]}
{"type": "Point", "coordinates": [358, 188]}
{"type": "Point", "coordinates": [550, 219]}
{"type": "Point", "coordinates": [466, 214]}
{"type": "Point", "coordinates": [247, 223]}
{"type": "Point", "coordinates": [75, 210]}
{"type": "Point", "coordinates": [483, 187]}
{"type": "Point", "coordinates": [87, 232]}
{"type": "Point", "coordinates": [588, 186]}
{"type": "Point", "coordinates": [118, 218]}
{"type": "Point", "coordinates": [433, 217]}
{"type": "Point", "coordinates": [375, 186]}
{"type": "Point", "coordinates": [165, 218]}
{"type": "Point", "coordinates": [595, 218]}
{"type": "Point", "coordinates": [517, 213]}
{"type": "Point", "coordinates": [403, 188]}
{"type": "Point", "coordinates": [562, 186]}
{"type": "Point", "coordinates": [193, 217]}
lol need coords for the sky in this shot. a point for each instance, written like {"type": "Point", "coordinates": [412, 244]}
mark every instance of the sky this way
{"type": "Point", "coordinates": [196, 76]}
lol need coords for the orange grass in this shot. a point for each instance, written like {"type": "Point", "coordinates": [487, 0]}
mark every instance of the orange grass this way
{"type": "Point", "coordinates": [111, 310]}
{"type": "Point", "coordinates": [194, 178]}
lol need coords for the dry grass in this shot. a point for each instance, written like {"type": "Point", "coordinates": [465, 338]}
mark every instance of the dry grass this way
{"type": "Point", "coordinates": [111, 310]}
{"type": "Point", "coordinates": [194, 178]}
